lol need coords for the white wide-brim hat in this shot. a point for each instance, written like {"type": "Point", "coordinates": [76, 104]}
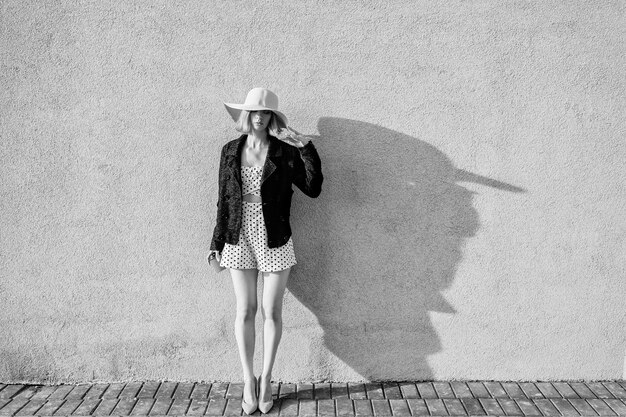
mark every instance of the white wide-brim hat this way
{"type": "Point", "coordinates": [257, 99]}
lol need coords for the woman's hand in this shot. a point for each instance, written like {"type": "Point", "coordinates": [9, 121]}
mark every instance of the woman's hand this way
{"type": "Point", "coordinates": [293, 137]}
{"type": "Point", "coordinates": [214, 253]}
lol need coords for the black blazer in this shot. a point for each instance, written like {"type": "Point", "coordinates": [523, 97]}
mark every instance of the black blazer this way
{"type": "Point", "coordinates": [284, 165]}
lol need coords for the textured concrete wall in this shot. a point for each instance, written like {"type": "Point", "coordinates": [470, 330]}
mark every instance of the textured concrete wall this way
{"type": "Point", "coordinates": [471, 224]}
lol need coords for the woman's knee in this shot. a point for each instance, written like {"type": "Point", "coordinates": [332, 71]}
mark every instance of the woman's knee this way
{"type": "Point", "coordinates": [273, 313]}
{"type": "Point", "coordinates": [246, 313]}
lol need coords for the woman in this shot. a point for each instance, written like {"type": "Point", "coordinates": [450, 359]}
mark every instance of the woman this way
{"type": "Point", "coordinates": [253, 233]}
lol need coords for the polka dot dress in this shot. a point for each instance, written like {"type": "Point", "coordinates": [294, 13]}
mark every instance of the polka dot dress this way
{"type": "Point", "coordinates": [252, 252]}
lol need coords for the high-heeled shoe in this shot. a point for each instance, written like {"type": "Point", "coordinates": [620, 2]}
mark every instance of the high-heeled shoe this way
{"type": "Point", "coordinates": [250, 408]}
{"type": "Point", "coordinates": [265, 406]}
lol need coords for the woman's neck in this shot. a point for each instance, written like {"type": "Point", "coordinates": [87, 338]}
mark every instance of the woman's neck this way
{"type": "Point", "coordinates": [257, 139]}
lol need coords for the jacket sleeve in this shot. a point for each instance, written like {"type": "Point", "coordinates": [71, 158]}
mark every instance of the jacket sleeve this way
{"type": "Point", "coordinates": [216, 243]}
{"type": "Point", "coordinates": [308, 170]}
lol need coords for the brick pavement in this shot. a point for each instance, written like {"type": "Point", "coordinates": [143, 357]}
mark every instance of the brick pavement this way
{"type": "Point", "coordinates": [481, 398]}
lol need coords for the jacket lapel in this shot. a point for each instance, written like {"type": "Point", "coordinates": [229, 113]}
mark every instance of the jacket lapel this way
{"type": "Point", "coordinates": [274, 152]}
{"type": "Point", "coordinates": [233, 158]}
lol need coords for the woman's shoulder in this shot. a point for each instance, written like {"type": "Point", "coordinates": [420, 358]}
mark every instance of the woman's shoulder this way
{"type": "Point", "coordinates": [232, 144]}
{"type": "Point", "coordinates": [282, 146]}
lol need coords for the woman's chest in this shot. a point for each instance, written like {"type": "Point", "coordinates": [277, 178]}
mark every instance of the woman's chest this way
{"type": "Point", "coordinates": [253, 157]}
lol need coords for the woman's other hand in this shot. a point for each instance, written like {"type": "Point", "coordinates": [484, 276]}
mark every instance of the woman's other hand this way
{"type": "Point", "coordinates": [216, 254]}
{"type": "Point", "coordinates": [293, 137]}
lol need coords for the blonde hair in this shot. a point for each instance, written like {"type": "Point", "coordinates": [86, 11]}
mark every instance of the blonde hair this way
{"type": "Point", "coordinates": [244, 125]}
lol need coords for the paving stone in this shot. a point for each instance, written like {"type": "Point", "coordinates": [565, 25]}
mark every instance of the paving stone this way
{"type": "Point", "coordinates": [50, 407]}
{"type": "Point", "coordinates": [28, 392]}
{"type": "Point", "coordinates": [362, 407]}
{"type": "Point", "coordinates": [461, 390]}
{"type": "Point", "coordinates": [374, 391]}
{"type": "Point", "coordinates": [201, 391]}
{"type": "Point", "coordinates": [426, 390]}
{"type": "Point", "coordinates": [4, 401]}
{"type": "Point", "coordinates": [381, 407]}
{"type": "Point", "coordinates": [546, 407]}
{"type": "Point", "coordinates": [180, 405]}
{"type": "Point", "coordinates": [87, 406]}
{"type": "Point", "coordinates": [436, 407]}
{"type": "Point", "coordinates": [491, 406]}
{"type": "Point", "coordinates": [289, 407]}
{"type": "Point", "coordinates": [565, 390]}
{"type": "Point", "coordinates": [495, 389]}
{"type": "Point", "coordinates": [68, 407]}
{"type": "Point", "coordinates": [443, 390]}
{"type": "Point", "coordinates": [478, 390]}
{"type": "Point", "coordinates": [339, 390]}
{"type": "Point", "coordinates": [531, 390]}
{"type": "Point", "coordinates": [235, 390]}
{"type": "Point", "coordinates": [197, 407]}
{"type": "Point", "coordinates": [161, 406]}
{"type": "Point", "coordinates": [287, 391]}
{"type": "Point", "coordinates": [305, 391]}
{"type": "Point", "coordinates": [392, 391]}
{"type": "Point", "coordinates": [326, 407]}
{"type": "Point", "coordinates": [454, 406]}
{"type": "Point", "coordinates": [105, 407]}
{"type": "Point", "coordinates": [31, 407]}
{"type": "Point", "coordinates": [142, 407]}
{"type": "Point", "coordinates": [216, 406]}
{"type": "Point", "coordinates": [183, 390]}
{"type": "Point", "coordinates": [548, 390]}
{"type": "Point", "coordinates": [149, 389]}
{"type": "Point", "coordinates": [583, 407]}
{"type": "Point", "coordinates": [10, 390]}
{"type": "Point", "coordinates": [513, 390]}
{"type": "Point", "coordinates": [13, 406]}
{"type": "Point", "coordinates": [307, 407]}
{"type": "Point", "coordinates": [96, 390]}
{"type": "Point", "coordinates": [233, 407]}
{"type": "Point", "coordinates": [131, 389]}
{"type": "Point", "coordinates": [510, 407]}
{"type": "Point", "coordinates": [473, 406]}
{"type": "Point", "coordinates": [616, 405]}
{"type": "Point", "coordinates": [599, 389]}
{"type": "Point", "coordinates": [357, 391]}
{"type": "Point", "coordinates": [408, 390]}
{"type": "Point", "coordinates": [399, 407]}
{"type": "Point", "coordinates": [322, 391]}
{"type": "Point", "coordinates": [114, 390]}
{"type": "Point", "coordinates": [61, 392]}
{"type": "Point", "coordinates": [565, 407]}
{"type": "Point", "coordinates": [78, 392]}
{"type": "Point", "coordinates": [547, 398]}
{"type": "Point", "coordinates": [417, 406]}
{"type": "Point", "coordinates": [582, 390]}
{"type": "Point", "coordinates": [601, 407]}
{"type": "Point", "coordinates": [528, 407]}
{"type": "Point", "coordinates": [44, 392]}
{"type": "Point", "coordinates": [218, 390]}
{"type": "Point", "coordinates": [615, 389]}
{"type": "Point", "coordinates": [344, 407]}
{"type": "Point", "coordinates": [124, 406]}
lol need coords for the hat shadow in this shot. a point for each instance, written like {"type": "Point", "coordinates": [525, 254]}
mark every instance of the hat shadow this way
{"type": "Point", "coordinates": [380, 245]}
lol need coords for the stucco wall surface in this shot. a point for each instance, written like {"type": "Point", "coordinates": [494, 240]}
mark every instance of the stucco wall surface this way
{"type": "Point", "coordinates": [471, 224]}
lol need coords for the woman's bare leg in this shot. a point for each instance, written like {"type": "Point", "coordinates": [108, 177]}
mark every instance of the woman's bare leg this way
{"type": "Point", "coordinates": [274, 284]}
{"type": "Point", "coordinates": [245, 286]}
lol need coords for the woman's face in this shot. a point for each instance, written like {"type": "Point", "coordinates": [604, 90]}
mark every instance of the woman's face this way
{"type": "Point", "coordinates": [260, 119]}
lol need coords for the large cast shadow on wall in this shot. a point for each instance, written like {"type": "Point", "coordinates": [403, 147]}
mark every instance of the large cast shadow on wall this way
{"type": "Point", "coordinates": [385, 239]}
